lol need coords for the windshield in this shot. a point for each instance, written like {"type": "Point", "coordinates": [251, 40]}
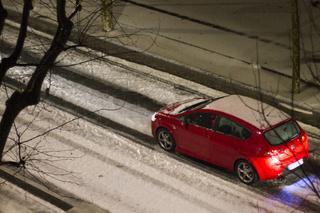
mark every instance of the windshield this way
{"type": "Point", "coordinates": [283, 133]}
{"type": "Point", "coordinates": [198, 105]}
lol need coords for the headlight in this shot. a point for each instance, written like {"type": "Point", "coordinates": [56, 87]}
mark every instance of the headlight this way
{"type": "Point", "coordinates": [153, 117]}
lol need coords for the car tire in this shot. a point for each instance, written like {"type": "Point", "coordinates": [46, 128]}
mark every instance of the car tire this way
{"type": "Point", "coordinates": [166, 140]}
{"type": "Point", "coordinates": [246, 172]}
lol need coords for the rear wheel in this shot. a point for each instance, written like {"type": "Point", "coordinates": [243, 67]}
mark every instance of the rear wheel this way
{"type": "Point", "coordinates": [166, 140]}
{"type": "Point", "coordinates": [246, 172]}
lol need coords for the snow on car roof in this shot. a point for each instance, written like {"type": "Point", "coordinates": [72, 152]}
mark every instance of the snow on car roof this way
{"type": "Point", "coordinates": [258, 114]}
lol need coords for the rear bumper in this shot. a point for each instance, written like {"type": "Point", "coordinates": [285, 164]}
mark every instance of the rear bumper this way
{"type": "Point", "coordinates": [271, 168]}
{"type": "Point", "coordinates": [268, 168]}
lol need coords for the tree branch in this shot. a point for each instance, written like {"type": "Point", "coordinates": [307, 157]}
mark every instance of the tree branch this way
{"type": "Point", "coordinates": [77, 9]}
{"type": "Point", "coordinates": [26, 65]}
{"type": "Point", "coordinates": [31, 94]}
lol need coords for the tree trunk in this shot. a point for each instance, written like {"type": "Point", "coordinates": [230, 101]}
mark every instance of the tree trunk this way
{"type": "Point", "coordinates": [11, 61]}
{"type": "Point", "coordinates": [106, 16]}
{"type": "Point", "coordinates": [31, 95]}
{"type": "Point", "coordinates": [14, 105]}
{"type": "Point", "coordinates": [295, 46]}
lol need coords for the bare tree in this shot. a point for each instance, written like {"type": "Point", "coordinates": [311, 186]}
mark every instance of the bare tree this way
{"type": "Point", "coordinates": [65, 15]}
{"type": "Point", "coordinates": [19, 100]}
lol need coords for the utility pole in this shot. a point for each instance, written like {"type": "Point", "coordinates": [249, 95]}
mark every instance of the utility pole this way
{"type": "Point", "coordinates": [295, 36]}
{"type": "Point", "coordinates": [106, 15]}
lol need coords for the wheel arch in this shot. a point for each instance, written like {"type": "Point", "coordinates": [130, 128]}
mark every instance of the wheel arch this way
{"type": "Point", "coordinates": [164, 127]}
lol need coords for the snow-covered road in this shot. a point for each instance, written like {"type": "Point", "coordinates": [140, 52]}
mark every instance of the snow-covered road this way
{"type": "Point", "coordinates": [122, 176]}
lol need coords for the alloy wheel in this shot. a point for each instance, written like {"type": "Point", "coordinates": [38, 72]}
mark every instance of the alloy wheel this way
{"type": "Point", "coordinates": [246, 172]}
{"type": "Point", "coordinates": [165, 140]}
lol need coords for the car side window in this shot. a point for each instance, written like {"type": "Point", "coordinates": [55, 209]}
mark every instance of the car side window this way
{"type": "Point", "coordinates": [229, 127]}
{"type": "Point", "coordinates": [203, 119]}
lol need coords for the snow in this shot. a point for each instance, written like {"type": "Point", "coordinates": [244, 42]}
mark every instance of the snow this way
{"type": "Point", "coordinates": [258, 114]}
{"type": "Point", "coordinates": [122, 176]}
{"type": "Point", "coordinates": [136, 117]}
{"type": "Point", "coordinates": [160, 85]}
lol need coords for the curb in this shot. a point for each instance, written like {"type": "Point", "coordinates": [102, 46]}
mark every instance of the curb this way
{"type": "Point", "coordinates": [15, 178]}
{"type": "Point", "coordinates": [67, 203]}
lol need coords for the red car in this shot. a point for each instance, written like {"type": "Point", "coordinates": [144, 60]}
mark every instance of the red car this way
{"type": "Point", "coordinates": [253, 139]}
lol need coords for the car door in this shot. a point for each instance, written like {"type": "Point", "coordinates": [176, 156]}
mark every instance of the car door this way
{"type": "Point", "coordinates": [195, 135]}
{"type": "Point", "coordinates": [229, 141]}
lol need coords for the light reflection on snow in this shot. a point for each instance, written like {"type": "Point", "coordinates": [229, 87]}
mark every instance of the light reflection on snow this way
{"type": "Point", "coordinates": [290, 193]}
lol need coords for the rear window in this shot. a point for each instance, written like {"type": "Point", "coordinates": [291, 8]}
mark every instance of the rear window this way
{"type": "Point", "coordinates": [283, 133]}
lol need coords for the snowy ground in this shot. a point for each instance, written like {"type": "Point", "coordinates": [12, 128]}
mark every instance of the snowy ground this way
{"type": "Point", "coordinates": [122, 176]}
{"type": "Point", "coordinates": [117, 174]}
{"type": "Point", "coordinates": [139, 79]}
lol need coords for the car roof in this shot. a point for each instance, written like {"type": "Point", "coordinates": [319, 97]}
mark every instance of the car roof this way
{"type": "Point", "coordinates": [254, 112]}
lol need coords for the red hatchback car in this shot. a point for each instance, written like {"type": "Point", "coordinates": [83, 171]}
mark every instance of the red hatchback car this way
{"type": "Point", "coordinates": [253, 139]}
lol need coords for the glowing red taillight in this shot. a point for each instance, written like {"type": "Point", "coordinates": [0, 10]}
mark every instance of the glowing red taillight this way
{"type": "Point", "coordinates": [273, 157]}
{"type": "Point", "coordinates": [272, 152]}
{"type": "Point", "coordinates": [304, 138]}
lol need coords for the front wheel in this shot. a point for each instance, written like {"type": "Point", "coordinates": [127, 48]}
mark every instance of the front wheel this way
{"type": "Point", "coordinates": [246, 172]}
{"type": "Point", "coordinates": [166, 140]}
